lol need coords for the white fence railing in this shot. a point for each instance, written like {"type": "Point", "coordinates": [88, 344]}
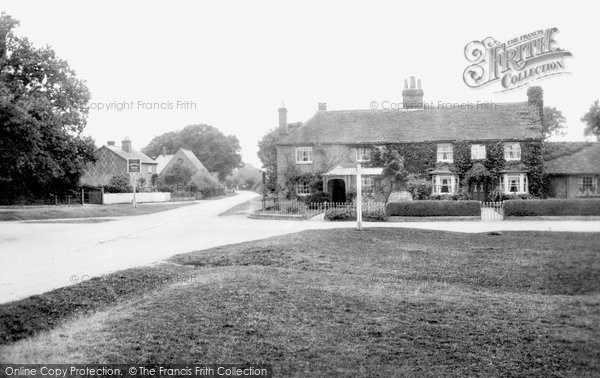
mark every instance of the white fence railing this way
{"type": "Point", "coordinates": [309, 210]}
{"type": "Point", "coordinates": [111, 198]}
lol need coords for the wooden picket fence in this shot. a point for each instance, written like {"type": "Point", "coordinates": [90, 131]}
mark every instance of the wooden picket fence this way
{"type": "Point", "coordinates": [492, 210]}
{"type": "Point", "coordinates": [309, 210]}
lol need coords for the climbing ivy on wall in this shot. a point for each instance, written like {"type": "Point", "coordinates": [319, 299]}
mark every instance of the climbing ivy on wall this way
{"type": "Point", "coordinates": [421, 159]}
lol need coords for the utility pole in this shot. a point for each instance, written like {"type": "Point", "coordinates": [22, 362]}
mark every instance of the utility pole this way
{"type": "Point", "coordinates": [358, 197]}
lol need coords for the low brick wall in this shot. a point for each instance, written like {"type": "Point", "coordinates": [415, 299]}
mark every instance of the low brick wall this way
{"type": "Point", "coordinates": [112, 198]}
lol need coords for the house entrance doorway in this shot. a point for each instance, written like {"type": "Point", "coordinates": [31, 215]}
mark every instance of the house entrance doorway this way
{"type": "Point", "coordinates": [337, 189]}
{"type": "Point", "coordinates": [478, 191]}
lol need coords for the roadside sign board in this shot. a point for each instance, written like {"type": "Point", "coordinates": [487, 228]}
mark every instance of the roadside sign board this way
{"type": "Point", "coordinates": [134, 165]}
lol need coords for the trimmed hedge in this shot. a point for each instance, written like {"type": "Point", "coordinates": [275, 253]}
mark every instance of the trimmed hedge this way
{"type": "Point", "coordinates": [434, 208]}
{"type": "Point", "coordinates": [552, 207]}
{"type": "Point", "coordinates": [377, 215]}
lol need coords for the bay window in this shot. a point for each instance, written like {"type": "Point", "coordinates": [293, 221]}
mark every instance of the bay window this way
{"type": "Point", "coordinates": [514, 183]}
{"type": "Point", "coordinates": [444, 184]}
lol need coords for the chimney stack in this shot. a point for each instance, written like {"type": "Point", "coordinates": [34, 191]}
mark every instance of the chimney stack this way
{"type": "Point", "coordinates": [164, 151]}
{"type": "Point", "coordinates": [322, 106]}
{"type": "Point", "coordinates": [283, 116]}
{"type": "Point", "coordinates": [412, 96]}
{"type": "Point", "coordinates": [126, 145]}
{"type": "Point", "coordinates": [110, 143]}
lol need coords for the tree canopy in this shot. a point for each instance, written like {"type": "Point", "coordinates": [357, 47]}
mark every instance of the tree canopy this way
{"type": "Point", "coordinates": [218, 152]}
{"type": "Point", "coordinates": [43, 108]}
{"type": "Point", "coordinates": [592, 121]}
{"type": "Point", "coordinates": [267, 153]}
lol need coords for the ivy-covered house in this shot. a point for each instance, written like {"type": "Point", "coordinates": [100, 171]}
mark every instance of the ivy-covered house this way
{"type": "Point", "coordinates": [477, 151]}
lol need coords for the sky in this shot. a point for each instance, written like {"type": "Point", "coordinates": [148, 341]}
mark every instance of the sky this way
{"type": "Point", "coordinates": [232, 64]}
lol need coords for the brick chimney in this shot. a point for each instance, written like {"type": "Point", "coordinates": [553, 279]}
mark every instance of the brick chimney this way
{"type": "Point", "coordinates": [282, 116]}
{"type": "Point", "coordinates": [322, 106]}
{"type": "Point", "coordinates": [126, 145]}
{"type": "Point", "coordinates": [164, 151]}
{"type": "Point", "coordinates": [412, 95]}
{"type": "Point", "coordinates": [110, 143]}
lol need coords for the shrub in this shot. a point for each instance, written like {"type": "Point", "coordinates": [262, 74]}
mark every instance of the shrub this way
{"type": "Point", "coordinates": [318, 197]}
{"type": "Point", "coordinates": [419, 187]}
{"type": "Point", "coordinates": [118, 184]}
{"type": "Point", "coordinates": [340, 214]}
{"type": "Point", "coordinates": [206, 184]}
{"type": "Point", "coordinates": [434, 208]}
{"type": "Point", "coordinates": [552, 207]}
{"type": "Point", "coordinates": [349, 214]}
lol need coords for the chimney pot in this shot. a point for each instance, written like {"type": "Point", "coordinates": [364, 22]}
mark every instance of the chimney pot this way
{"type": "Point", "coordinates": [322, 106]}
{"type": "Point", "coordinates": [412, 97]}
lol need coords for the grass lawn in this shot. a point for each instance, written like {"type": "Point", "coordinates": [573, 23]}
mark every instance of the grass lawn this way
{"type": "Point", "coordinates": [86, 211]}
{"type": "Point", "coordinates": [380, 302]}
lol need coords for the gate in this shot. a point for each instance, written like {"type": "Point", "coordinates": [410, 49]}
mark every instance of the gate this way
{"type": "Point", "coordinates": [492, 211]}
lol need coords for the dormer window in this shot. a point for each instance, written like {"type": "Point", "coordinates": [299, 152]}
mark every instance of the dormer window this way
{"type": "Point", "coordinates": [304, 155]}
{"type": "Point", "coordinates": [512, 151]}
{"type": "Point", "coordinates": [445, 153]}
{"type": "Point", "coordinates": [363, 155]}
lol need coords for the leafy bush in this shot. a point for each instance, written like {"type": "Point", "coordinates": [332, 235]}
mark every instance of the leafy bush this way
{"type": "Point", "coordinates": [349, 214]}
{"type": "Point", "coordinates": [552, 207]}
{"type": "Point", "coordinates": [318, 197]}
{"type": "Point", "coordinates": [434, 208]}
{"type": "Point", "coordinates": [203, 182]}
{"type": "Point", "coordinates": [418, 186]}
{"type": "Point", "coordinates": [118, 184]}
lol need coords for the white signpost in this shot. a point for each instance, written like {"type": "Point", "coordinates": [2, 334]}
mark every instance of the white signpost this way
{"type": "Point", "coordinates": [133, 167]}
{"type": "Point", "coordinates": [358, 198]}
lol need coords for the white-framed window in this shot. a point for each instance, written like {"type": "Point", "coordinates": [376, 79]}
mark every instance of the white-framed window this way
{"type": "Point", "coordinates": [444, 184]}
{"type": "Point", "coordinates": [304, 155]}
{"type": "Point", "coordinates": [368, 184]}
{"type": "Point", "coordinates": [477, 151]}
{"type": "Point", "coordinates": [512, 151]}
{"type": "Point", "coordinates": [445, 152]}
{"type": "Point", "coordinates": [514, 183]}
{"type": "Point", "coordinates": [302, 188]}
{"type": "Point", "coordinates": [587, 184]}
{"type": "Point", "coordinates": [363, 154]}
{"type": "Point", "coordinates": [149, 169]}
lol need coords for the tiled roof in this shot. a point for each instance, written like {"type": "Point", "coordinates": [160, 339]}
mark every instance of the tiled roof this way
{"type": "Point", "coordinates": [507, 121]}
{"type": "Point", "coordinates": [584, 161]}
{"type": "Point", "coordinates": [162, 161]}
{"type": "Point", "coordinates": [134, 154]}
{"type": "Point", "coordinates": [194, 160]}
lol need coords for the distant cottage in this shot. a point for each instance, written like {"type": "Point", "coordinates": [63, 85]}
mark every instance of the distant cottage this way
{"type": "Point", "coordinates": [112, 161]}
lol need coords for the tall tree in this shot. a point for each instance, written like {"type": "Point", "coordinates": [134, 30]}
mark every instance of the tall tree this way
{"type": "Point", "coordinates": [43, 110]}
{"type": "Point", "coordinates": [592, 121]}
{"type": "Point", "coordinates": [553, 122]}
{"type": "Point", "coordinates": [218, 152]}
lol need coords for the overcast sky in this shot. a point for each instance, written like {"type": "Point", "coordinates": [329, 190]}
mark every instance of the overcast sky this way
{"type": "Point", "coordinates": [237, 61]}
